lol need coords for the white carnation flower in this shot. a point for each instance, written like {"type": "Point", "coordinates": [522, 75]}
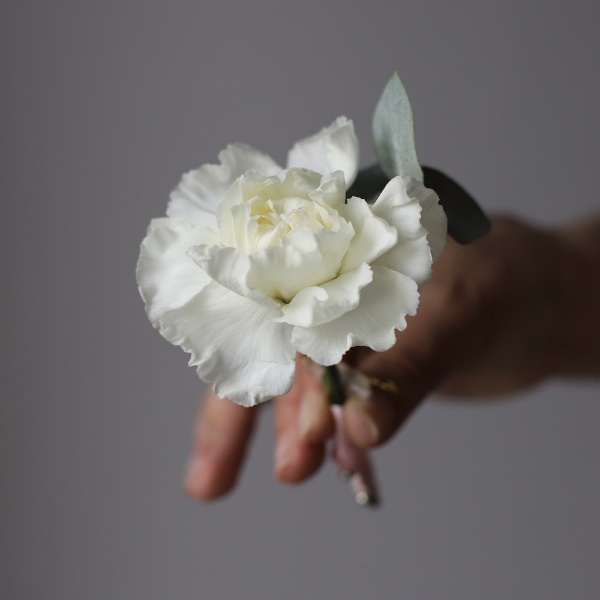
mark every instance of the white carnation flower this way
{"type": "Point", "coordinates": [254, 263]}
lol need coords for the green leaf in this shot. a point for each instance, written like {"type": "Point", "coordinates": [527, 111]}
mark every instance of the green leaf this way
{"type": "Point", "coordinates": [466, 221]}
{"type": "Point", "coordinates": [393, 132]}
{"type": "Point", "coordinates": [369, 183]}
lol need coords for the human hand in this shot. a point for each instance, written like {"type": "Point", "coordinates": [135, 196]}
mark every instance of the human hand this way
{"type": "Point", "coordinates": [488, 324]}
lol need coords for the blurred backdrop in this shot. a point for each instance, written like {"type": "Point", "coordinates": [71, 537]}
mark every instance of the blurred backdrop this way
{"type": "Point", "coordinates": [103, 106]}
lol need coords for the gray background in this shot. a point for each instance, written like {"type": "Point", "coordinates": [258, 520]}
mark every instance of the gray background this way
{"type": "Point", "coordinates": [104, 105]}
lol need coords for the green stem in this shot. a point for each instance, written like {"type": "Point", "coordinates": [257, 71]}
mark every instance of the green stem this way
{"type": "Point", "coordinates": [333, 385]}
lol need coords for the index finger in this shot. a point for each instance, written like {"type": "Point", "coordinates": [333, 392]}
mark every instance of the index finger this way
{"type": "Point", "coordinates": [221, 435]}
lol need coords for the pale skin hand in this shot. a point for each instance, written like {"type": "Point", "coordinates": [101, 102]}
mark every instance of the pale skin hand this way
{"type": "Point", "coordinates": [517, 306]}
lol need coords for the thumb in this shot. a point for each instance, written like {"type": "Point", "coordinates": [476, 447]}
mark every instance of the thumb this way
{"type": "Point", "coordinates": [394, 392]}
{"type": "Point", "coordinates": [400, 378]}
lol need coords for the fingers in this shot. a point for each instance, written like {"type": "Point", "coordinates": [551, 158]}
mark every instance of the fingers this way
{"type": "Point", "coordinates": [221, 435]}
{"type": "Point", "coordinates": [423, 355]}
{"type": "Point", "coordinates": [373, 419]}
{"type": "Point", "coordinates": [303, 422]}
{"type": "Point", "coordinates": [315, 421]}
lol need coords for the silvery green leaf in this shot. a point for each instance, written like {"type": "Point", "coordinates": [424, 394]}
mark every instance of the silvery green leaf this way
{"type": "Point", "coordinates": [393, 132]}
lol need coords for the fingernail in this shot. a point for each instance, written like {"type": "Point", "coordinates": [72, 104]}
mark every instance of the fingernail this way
{"type": "Point", "coordinates": [364, 430]}
{"type": "Point", "coordinates": [196, 477]}
{"type": "Point", "coordinates": [310, 414]}
{"type": "Point", "coordinates": [283, 455]}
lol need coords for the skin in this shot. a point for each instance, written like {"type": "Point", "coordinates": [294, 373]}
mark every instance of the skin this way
{"type": "Point", "coordinates": [517, 306]}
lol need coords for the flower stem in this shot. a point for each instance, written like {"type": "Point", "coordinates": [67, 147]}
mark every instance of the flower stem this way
{"type": "Point", "coordinates": [333, 385]}
{"type": "Point", "coordinates": [353, 462]}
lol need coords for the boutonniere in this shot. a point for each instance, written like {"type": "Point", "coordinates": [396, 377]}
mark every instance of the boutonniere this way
{"type": "Point", "coordinates": [256, 262]}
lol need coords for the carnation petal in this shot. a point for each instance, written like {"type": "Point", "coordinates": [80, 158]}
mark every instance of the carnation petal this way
{"type": "Point", "coordinates": [166, 276]}
{"type": "Point", "coordinates": [200, 191]}
{"type": "Point", "coordinates": [373, 235]}
{"type": "Point", "coordinates": [334, 148]}
{"type": "Point", "coordinates": [234, 342]}
{"type": "Point", "coordinates": [433, 217]}
{"type": "Point", "coordinates": [303, 259]}
{"type": "Point", "coordinates": [384, 305]}
{"type": "Point", "coordinates": [412, 254]}
{"type": "Point", "coordinates": [230, 268]}
{"type": "Point", "coordinates": [316, 305]}
{"type": "Point", "coordinates": [331, 191]}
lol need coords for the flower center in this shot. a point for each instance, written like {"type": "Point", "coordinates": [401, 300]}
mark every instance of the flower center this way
{"type": "Point", "coordinates": [290, 227]}
{"type": "Point", "coordinates": [270, 211]}
{"type": "Point", "coordinates": [274, 219]}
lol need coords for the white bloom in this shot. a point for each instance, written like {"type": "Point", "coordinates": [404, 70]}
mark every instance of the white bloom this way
{"type": "Point", "coordinates": [254, 263]}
